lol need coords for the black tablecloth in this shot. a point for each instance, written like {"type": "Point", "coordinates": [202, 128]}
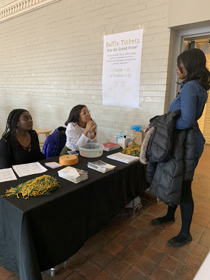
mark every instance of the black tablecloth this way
{"type": "Point", "coordinates": [40, 232]}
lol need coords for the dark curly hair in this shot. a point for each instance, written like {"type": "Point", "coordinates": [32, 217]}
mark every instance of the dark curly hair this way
{"type": "Point", "coordinates": [194, 61]}
{"type": "Point", "coordinates": [74, 114]}
{"type": "Point", "coordinates": [11, 126]}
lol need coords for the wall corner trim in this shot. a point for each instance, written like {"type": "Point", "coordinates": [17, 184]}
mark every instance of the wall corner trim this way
{"type": "Point", "coordinates": [19, 7]}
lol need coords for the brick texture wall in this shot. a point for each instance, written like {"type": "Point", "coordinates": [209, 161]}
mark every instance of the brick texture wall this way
{"type": "Point", "coordinates": [204, 121]}
{"type": "Point", "coordinates": [51, 60]}
{"type": "Point", "coordinates": [206, 124]}
{"type": "Point", "coordinates": [206, 130]}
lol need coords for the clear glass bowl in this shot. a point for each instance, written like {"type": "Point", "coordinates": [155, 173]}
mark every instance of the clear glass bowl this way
{"type": "Point", "coordinates": [91, 150]}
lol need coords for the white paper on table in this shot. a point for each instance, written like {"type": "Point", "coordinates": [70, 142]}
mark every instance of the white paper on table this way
{"type": "Point", "coordinates": [53, 164]}
{"type": "Point", "coordinates": [123, 157]}
{"type": "Point", "coordinates": [29, 169]}
{"type": "Point", "coordinates": [7, 174]}
{"type": "Point", "coordinates": [70, 171]}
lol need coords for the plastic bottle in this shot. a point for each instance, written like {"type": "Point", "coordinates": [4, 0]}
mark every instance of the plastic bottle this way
{"type": "Point", "coordinates": [125, 142]}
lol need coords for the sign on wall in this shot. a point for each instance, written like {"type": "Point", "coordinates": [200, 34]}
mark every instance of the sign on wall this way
{"type": "Point", "coordinates": [121, 68]}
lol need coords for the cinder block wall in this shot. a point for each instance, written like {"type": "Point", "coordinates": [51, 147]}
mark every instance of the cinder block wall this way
{"type": "Point", "coordinates": [51, 59]}
{"type": "Point", "coordinates": [204, 121]}
{"type": "Point", "coordinates": [206, 125]}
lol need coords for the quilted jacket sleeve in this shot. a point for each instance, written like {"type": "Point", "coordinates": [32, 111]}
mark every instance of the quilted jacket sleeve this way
{"type": "Point", "coordinates": [151, 168]}
{"type": "Point", "coordinates": [49, 149]}
{"type": "Point", "coordinates": [189, 156]}
{"type": "Point", "coordinates": [161, 140]}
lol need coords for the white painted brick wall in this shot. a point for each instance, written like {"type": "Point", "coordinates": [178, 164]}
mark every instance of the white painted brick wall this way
{"type": "Point", "coordinates": [51, 60]}
{"type": "Point", "coordinates": [206, 123]}
{"type": "Point", "coordinates": [201, 121]}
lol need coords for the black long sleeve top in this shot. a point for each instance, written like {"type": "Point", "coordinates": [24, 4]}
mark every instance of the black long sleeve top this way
{"type": "Point", "coordinates": [11, 152]}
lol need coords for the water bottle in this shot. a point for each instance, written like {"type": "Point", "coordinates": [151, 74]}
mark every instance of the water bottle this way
{"type": "Point", "coordinates": [125, 142]}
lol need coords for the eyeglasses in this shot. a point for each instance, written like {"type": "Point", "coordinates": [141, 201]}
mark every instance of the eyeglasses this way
{"type": "Point", "coordinates": [179, 64]}
{"type": "Point", "coordinates": [84, 113]}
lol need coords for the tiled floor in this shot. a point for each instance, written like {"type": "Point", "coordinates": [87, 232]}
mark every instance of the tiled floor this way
{"type": "Point", "coordinates": [130, 249]}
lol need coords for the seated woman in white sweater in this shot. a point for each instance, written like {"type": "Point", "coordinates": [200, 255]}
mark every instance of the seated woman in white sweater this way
{"type": "Point", "coordinates": [80, 129]}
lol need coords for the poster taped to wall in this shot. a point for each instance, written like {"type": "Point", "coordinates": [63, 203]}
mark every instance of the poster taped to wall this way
{"type": "Point", "coordinates": [121, 68]}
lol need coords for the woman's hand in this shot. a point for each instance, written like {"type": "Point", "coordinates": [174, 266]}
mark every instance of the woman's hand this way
{"type": "Point", "coordinates": [148, 127]}
{"type": "Point", "coordinates": [93, 131]}
{"type": "Point", "coordinates": [93, 128]}
{"type": "Point", "coordinates": [90, 126]}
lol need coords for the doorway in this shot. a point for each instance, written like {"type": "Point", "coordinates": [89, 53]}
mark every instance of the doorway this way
{"type": "Point", "coordinates": [203, 43]}
{"type": "Point", "coordinates": [183, 40]}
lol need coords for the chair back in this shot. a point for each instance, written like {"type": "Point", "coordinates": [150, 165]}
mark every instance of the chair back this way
{"type": "Point", "coordinates": [61, 140]}
{"type": "Point", "coordinates": [55, 142]}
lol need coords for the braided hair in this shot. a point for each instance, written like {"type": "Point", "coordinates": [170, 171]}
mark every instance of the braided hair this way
{"type": "Point", "coordinates": [11, 126]}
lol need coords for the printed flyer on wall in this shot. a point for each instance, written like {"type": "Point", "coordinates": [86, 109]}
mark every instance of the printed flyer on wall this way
{"type": "Point", "coordinates": [121, 68]}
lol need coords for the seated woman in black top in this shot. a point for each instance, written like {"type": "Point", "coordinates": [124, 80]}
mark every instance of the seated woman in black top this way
{"type": "Point", "coordinates": [19, 143]}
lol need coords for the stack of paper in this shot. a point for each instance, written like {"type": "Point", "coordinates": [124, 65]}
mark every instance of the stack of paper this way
{"type": "Point", "coordinates": [101, 166]}
{"type": "Point", "coordinates": [73, 174]}
{"type": "Point", "coordinates": [7, 174]}
{"type": "Point", "coordinates": [123, 157]}
{"type": "Point", "coordinates": [28, 169]}
{"type": "Point", "coordinates": [53, 164]}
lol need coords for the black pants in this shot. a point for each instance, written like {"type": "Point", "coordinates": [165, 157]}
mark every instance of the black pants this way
{"type": "Point", "coordinates": [187, 208]}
